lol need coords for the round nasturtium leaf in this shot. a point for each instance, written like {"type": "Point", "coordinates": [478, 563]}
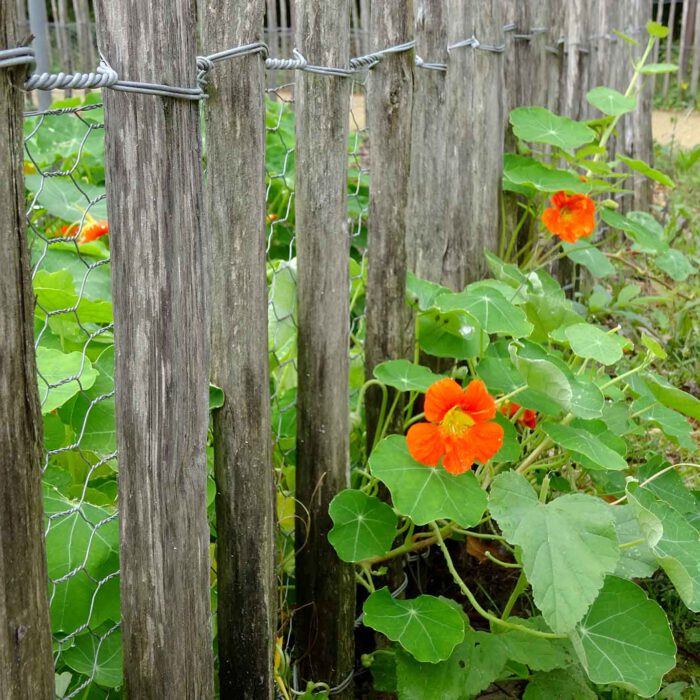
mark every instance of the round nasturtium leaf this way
{"type": "Point", "coordinates": [580, 441]}
{"type": "Point", "coordinates": [611, 102]}
{"type": "Point", "coordinates": [405, 376]}
{"type": "Point", "coordinates": [426, 493]}
{"type": "Point", "coordinates": [625, 639]}
{"type": "Point", "coordinates": [55, 368]}
{"type": "Point", "coordinates": [363, 526]}
{"type": "Point", "coordinates": [428, 628]}
{"type": "Point", "coordinates": [590, 342]}
{"type": "Point", "coordinates": [539, 125]}
{"type": "Point", "coordinates": [568, 546]}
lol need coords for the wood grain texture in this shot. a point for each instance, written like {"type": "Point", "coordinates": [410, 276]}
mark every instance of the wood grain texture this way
{"type": "Point", "coordinates": [160, 282]}
{"type": "Point", "coordinates": [26, 663]}
{"type": "Point", "coordinates": [245, 497]}
{"type": "Point", "coordinates": [325, 586]}
{"type": "Point", "coordinates": [574, 76]}
{"type": "Point", "coordinates": [474, 157]}
{"type": "Point", "coordinates": [426, 242]}
{"type": "Point", "coordinates": [390, 97]}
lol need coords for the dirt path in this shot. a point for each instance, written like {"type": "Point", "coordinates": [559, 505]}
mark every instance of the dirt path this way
{"type": "Point", "coordinates": [683, 128]}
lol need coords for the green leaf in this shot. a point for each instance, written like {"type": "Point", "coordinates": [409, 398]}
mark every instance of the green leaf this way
{"type": "Point", "coordinates": [568, 546]}
{"type": "Point", "coordinates": [587, 401]}
{"type": "Point", "coordinates": [611, 102]}
{"type": "Point", "coordinates": [490, 308]}
{"type": "Point", "coordinates": [539, 125]}
{"type": "Point", "coordinates": [672, 397]}
{"type": "Point", "coordinates": [625, 639]}
{"type": "Point", "coordinates": [383, 667]}
{"type": "Point", "coordinates": [96, 657]}
{"type": "Point", "coordinates": [472, 667]}
{"type": "Point", "coordinates": [543, 376]}
{"type": "Point", "coordinates": [522, 170]}
{"type": "Point", "coordinates": [583, 253]}
{"type": "Point", "coordinates": [426, 493]}
{"type": "Point", "coordinates": [652, 173]}
{"type": "Point", "coordinates": [405, 376]}
{"type": "Point", "coordinates": [454, 334]}
{"type": "Point", "coordinates": [421, 293]}
{"type": "Point", "coordinates": [673, 425]}
{"type": "Point", "coordinates": [579, 441]}
{"type": "Point", "coordinates": [510, 449]}
{"type": "Point", "coordinates": [625, 37]}
{"type": "Point", "coordinates": [645, 237]}
{"type": "Point", "coordinates": [428, 628]}
{"type": "Point", "coordinates": [653, 346]}
{"type": "Point", "coordinates": [590, 342]}
{"type": "Point", "coordinates": [638, 561]}
{"type": "Point", "coordinates": [55, 368]}
{"type": "Point", "coordinates": [538, 653]}
{"type": "Point", "coordinates": [55, 292]}
{"type": "Point", "coordinates": [61, 197]}
{"type": "Point", "coordinates": [668, 487]}
{"type": "Point", "coordinates": [363, 526]}
{"type": "Point", "coordinates": [674, 541]}
{"type": "Point", "coordinates": [656, 29]}
{"type": "Point", "coordinates": [562, 684]}
{"type": "Point", "coordinates": [216, 397]}
{"type": "Point", "coordinates": [675, 264]}
{"type": "Point", "coordinates": [656, 68]}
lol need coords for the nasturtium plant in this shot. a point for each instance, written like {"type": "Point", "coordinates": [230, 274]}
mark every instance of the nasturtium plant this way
{"type": "Point", "coordinates": [569, 481]}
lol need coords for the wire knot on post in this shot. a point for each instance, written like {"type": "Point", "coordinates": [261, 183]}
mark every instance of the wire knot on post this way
{"type": "Point", "coordinates": [22, 55]}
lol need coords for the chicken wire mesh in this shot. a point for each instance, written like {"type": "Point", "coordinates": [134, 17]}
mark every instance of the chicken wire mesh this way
{"type": "Point", "coordinates": [66, 221]}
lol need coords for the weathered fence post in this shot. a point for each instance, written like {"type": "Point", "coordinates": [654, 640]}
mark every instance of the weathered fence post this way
{"type": "Point", "coordinates": [160, 282]}
{"type": "Point", "coordinates": [26, 664]}
{"type": "Point", "coordinates": [669, 44]}
{"type": "Point", "coordinates": [425, 223]}
{"type": "Point", "coordinates": [245, 498]}
{"type": "Point", "coordinates": [474, 157]}
{"type": "Point", "coordinates": [39, 25]}
{"type": "Point", "coordinates": [325, 586]}
{"type": "Point", "coordinates": [574, 78]}
{"type": "Point", "coordinates": [389, 102]}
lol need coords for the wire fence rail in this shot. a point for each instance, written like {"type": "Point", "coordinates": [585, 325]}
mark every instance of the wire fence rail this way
{"type": "Point", "coordinates": [280, 277]}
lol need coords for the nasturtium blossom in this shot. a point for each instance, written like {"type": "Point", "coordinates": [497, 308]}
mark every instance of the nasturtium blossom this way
{"type": "Point", "coordinates": [571, 216]}
{"type": "Point", "coordinates": [527, 418]}
{"type": "Point", "coordinates": [461, 427]}
{"type": "Point", "coordinates": [92, 230]}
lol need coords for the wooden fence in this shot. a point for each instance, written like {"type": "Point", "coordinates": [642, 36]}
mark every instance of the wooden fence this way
{"type": "Point", "coordinates": [188, 257]}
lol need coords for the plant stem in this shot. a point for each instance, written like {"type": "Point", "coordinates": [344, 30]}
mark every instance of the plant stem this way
{"type": "Point", "coordinates": [407, 547]}
{"type": "Point", "coordinates": [656, 476]}
{"type": "Point", "coordinates": [519, 589]}
{"type": "Point", "coordinates": [475, 603]}
{"type": "Point", "coordinates": [544, 445]}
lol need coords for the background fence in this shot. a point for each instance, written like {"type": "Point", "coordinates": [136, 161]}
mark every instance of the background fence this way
{"type": "Point", "coordinates": [327, 179]}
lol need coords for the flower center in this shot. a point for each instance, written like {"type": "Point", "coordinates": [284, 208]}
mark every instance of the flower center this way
{"type": "Point", "coordinates": [456, 421]}
{"type": "Point", "coordinates": [565, 213]}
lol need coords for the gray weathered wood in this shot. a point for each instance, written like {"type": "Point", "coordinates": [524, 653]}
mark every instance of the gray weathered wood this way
{"type": "Point", "coordinates": [687, 26]}
{"type": "Point", "coordinates": [389, 101]}
{"type": "Point", "coordinates": [638, 138]}
{"type": "Point", "coordinates": [658, 18]}
{"type": "Point", "coordinates": [325, 586]}
{"type": "Point", "coordinates": [669, 44]}
{"type": "Point", "coordinates": [86, 46]}
{"type": "Point", "coordinates": [474, 157]}
{"type": "Point", "coordinates": [425, 226]}
{"type": "Point", "coordinates": [64, 46]}
{"type": "Point", "coordinates": [574, 77]}
{"type": "Point", "coordinates": [245, 499]}
{"type": "Point", "coordinates": [695, 71]}
{"type": "Point", "coordinates": [159, 272]}
{"type": "Point", "coordinates": [26, 664]}
{"type": "Point", "coordinates": [39, 26]}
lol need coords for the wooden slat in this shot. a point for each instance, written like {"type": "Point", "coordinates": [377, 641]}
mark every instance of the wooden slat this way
{"type": "Point", "coordinates": [658, 18]}
{"type": "Point", "coordinates": [574, 85]}
{"type": "Point", "coordinates": [26, 663]}
{"type": "Point", "coordinates": [245, 499]}
{"type": "Point", "coordinates": [669, 45]}
{"type": "Point", "coordinates": [474, 140]}
{"type": "Point", "coordinates": [425, 231]}
{"type": "Point", "coordinates": [695, 72]}
{"type": "Point", "coordinates": [159, 252]}
{"type": "Point", "coordinates": [389, 104]}
{"type": "Point", "coordinates": [325, 586]}
{"type": "Point", "coordinates": [687, 25]}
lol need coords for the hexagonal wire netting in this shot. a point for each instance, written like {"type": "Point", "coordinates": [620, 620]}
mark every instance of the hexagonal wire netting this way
{"type": "Point", "coordinates": [66, 215]}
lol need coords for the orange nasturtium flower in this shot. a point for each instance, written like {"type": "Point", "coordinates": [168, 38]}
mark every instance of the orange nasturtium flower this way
{"type": "Point", "coordinates": [571, 216]}
{"type": "Point", "coordinates": [461, 427]}
{"type": "Point", "coordinates": [92, 230]}
{"type": "Point", "coordinates": [527, 418]}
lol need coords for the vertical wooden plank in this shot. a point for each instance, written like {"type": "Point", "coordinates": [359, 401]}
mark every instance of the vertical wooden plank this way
{"type": "Point", "coordinates": [474, 139]}
{"type": "Point", "coordinates": [574, 83]}
{"type": "Point", "coordinates": [687, 24]}
{"type": "Point", "coordinates": [389, 103]}
{"type": "Point", "coordinates": [160, 280]}
{"type": "Point", "coordinates": [26, 663]}
{"type": "Point", "coordinates": [86, 48]}
{"type": "Point", "coordinates": [245, 498]}
{"type": "Point", "coordinates": [425, 227]}
{"type": "Point", "coordinates": [638, 138]}
{"type": "Point", "coordinates": [325, 586]}
{"type": "Point", "coordinates": [39, 25]}
{"type": "Point", "coordinates": [669, 44]}
{"type": "Point", "coordinates": [64, 46]}
{"type": "Point", "coordinates": [695, 73]}
{"type": "Point", "coordinates": [658, 17]}
{"type": "Point", "coordinates": [555, 58]}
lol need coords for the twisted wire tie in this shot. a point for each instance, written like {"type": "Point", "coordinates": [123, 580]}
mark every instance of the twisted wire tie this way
{"type": "Point", "coordinates": [20, 56]}
{"type": "Point", "coordinates": [474, 43]}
